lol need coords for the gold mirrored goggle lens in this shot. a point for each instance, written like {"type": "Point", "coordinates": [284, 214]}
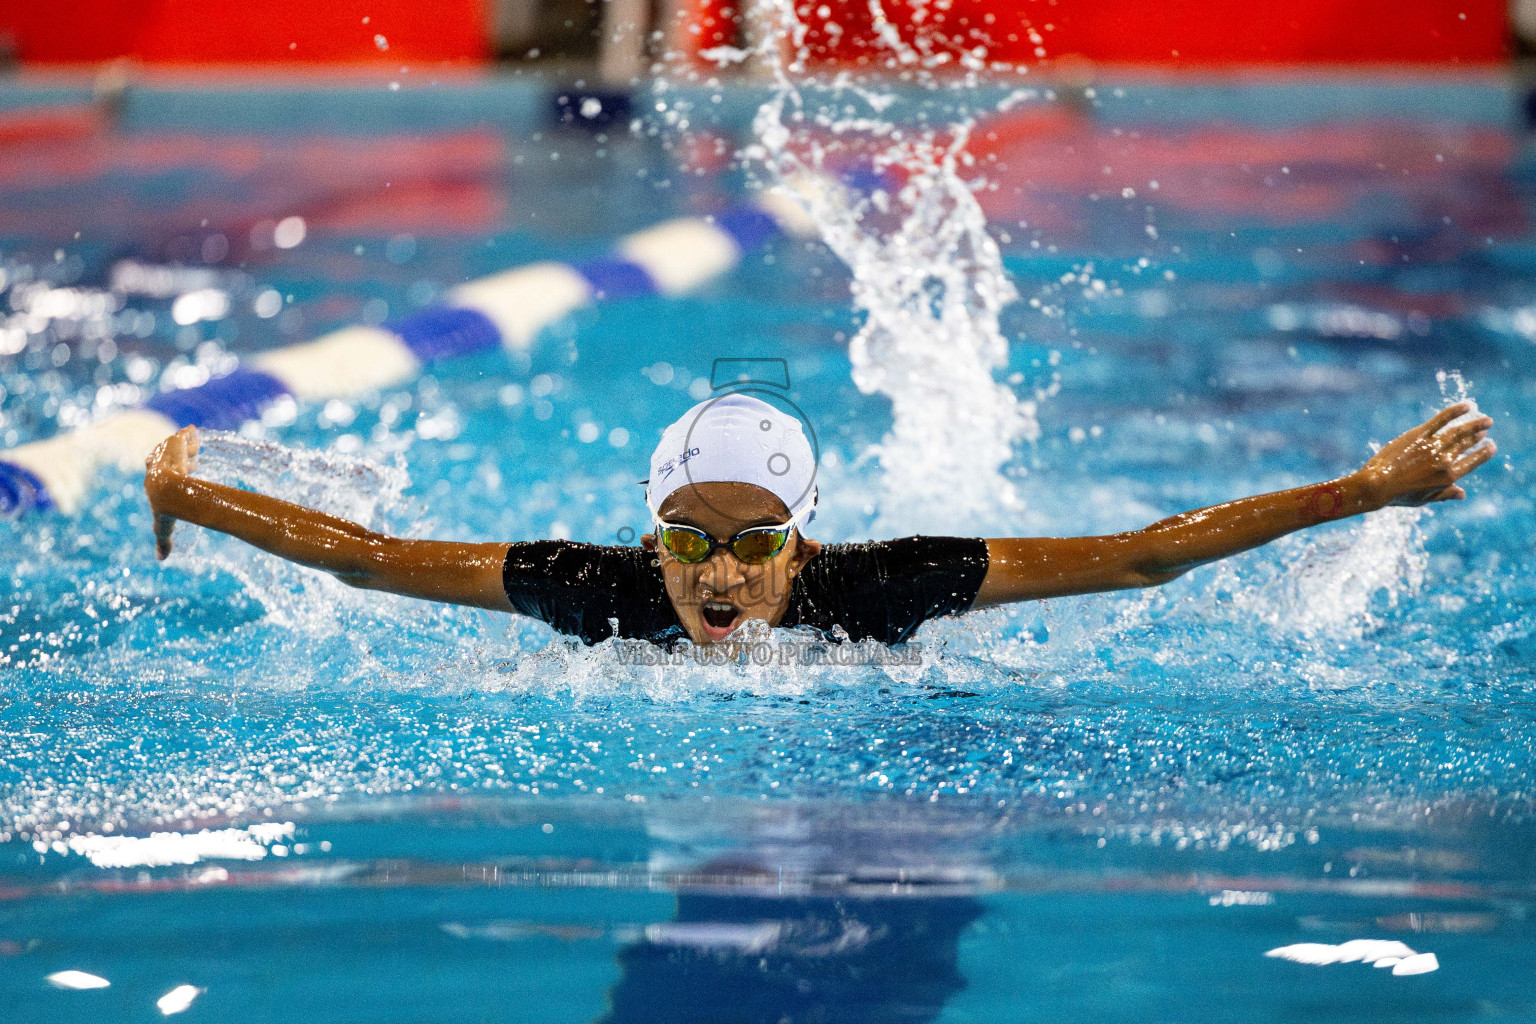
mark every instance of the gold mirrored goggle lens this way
{"type": "Point", "coordinates": [686, 545]}
{"type": "Point", "coordinates": [757, 548]}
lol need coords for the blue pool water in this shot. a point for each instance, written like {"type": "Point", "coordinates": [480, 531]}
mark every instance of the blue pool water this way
{"type": "Point", "coordinates": [1106, 808]}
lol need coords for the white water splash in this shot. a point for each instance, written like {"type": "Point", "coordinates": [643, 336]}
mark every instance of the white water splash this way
{"type": "Point", "coordinates": [1337, 581]}
{"type": "Point", "coordinates": [77, 980]}
{"type": "Point", "coordinates": [1382, 953]}
{"type": "Point", "coordinates": [352, 487]}
{"type": "Point", "coordinates": [927, 276]}
{"type": "Point", "coordinates": [1332, 586]}
{"type": "Point", "coordinates": [329, 634]}
{"type": "Point", "coordinates": [1453, 389]}
{"type": "Point", "coordinates": [178, 999]}
{"type": "Point", "coordinates": [159, 849]}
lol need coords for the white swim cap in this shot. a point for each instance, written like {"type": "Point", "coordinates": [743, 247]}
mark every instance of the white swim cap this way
{"type": "Point", "coordinates": [739, 439]}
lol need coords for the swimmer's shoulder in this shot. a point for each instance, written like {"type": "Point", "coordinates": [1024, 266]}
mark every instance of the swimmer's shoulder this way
{"type": "Point", "coordinates": [576, 562]}
{"type": "Point", "coordinates": [919, 553]}
{"type": "Point", "coordinates": [589, 590]}
{"type": "Point", "coordinates": [885, 589]}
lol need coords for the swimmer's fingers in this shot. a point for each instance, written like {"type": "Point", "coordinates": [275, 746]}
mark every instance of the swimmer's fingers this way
{"type": "Point", "coordinates": [1466, 445]}
{"type": "Point", "coordinates": [155, 459]}
{"type": "Point", "coordinates": [177, 454]}
{"type": "Point", "coordinates": [1451, 493]}
{"type": "Point", "coordinates": [184, 445]}
{"type": "Point", "coordinates": [1472, 459]}
{"type": "Point", "coordinates": [169, 460]}
{"type": "Point", "coordinates": [1464, 436]}
{"type": "Point", "coordinates": [166, 455]}
{"type": "Point", "coordinates": [1440, 419]}
{"type": "Point", "coordinates": [194, 442]}
{"type": "Point", "coordinates": [163, 526]}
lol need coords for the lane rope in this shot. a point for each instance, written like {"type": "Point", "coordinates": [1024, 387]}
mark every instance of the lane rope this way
{"type": "Point", "coordinates": [506, 310]}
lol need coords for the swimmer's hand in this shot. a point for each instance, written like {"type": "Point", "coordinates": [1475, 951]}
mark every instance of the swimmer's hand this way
{"type": "Point", "coordinates": [1424, 464]}
{"type": "Point", "coordinates": [167, 466]}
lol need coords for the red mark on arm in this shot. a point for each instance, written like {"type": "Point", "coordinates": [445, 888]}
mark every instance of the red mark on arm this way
{"type": "Point", "coordinates": [1326, 501]}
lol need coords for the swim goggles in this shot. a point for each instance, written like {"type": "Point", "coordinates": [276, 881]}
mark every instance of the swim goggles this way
{"type": "Point", "coordinates": [692, 545]}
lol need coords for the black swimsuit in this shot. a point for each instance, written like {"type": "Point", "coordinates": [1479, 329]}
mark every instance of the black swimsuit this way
{"type": "Point", "coordinates": [880, 590]}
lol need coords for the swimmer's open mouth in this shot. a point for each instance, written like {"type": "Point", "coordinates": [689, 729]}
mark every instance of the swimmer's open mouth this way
{"type": "Point", "coordinates": [719, 618]}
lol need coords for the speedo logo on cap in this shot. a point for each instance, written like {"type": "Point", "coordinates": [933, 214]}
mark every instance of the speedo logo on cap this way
{"type": "Point", "coordinates": [666, 468]}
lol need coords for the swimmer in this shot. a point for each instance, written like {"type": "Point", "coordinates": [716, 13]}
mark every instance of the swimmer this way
{"type": "Point", "coordinates": [731, 491]}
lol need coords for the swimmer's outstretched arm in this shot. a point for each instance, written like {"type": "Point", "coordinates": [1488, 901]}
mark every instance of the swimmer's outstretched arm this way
{"type": "Point", "coordinates": [468, 574]}
{"type": "Point", "coordinates": [1419, 467]}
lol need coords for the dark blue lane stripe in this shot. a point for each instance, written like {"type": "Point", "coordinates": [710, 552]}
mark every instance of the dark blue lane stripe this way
{"type": "Point", "coordinates": [21, 491]}
{"type": "Point", "coordinates": [443, 332]}
{"type": "Point", "coordinates": [615, 278]}
{"type": "Point", "coordinates": [221, 404]}
{"type": "Point", "coordinates": [748, 226]}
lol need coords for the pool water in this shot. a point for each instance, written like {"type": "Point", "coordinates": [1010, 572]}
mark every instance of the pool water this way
{"type": "Point", "coordinates": [1103, 808]}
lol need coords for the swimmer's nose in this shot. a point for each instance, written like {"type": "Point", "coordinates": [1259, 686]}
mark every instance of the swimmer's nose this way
{"type": "Point", "coordinates": [725, 571]}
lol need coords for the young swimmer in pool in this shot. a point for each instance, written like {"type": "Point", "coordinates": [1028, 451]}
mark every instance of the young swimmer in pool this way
{"type": "Point", "coordinates": [732, 487]}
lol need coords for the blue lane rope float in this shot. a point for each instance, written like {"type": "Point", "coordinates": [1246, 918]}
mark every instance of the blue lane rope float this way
{"type": "Point", "coordinates": [505, 310]}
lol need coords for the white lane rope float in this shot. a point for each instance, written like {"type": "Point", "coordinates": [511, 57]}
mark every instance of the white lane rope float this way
{"type": "Point", "coordinates": [506, 310]}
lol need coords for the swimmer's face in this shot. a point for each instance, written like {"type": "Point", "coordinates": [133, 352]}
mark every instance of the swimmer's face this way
{"type": "Point", "coordinates": [717, 595]}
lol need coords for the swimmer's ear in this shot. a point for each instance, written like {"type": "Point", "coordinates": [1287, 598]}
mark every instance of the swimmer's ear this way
{"type": "Point", "coordinates": [648, 541]}
{"type": "Point", "coordinates": [805, 550]}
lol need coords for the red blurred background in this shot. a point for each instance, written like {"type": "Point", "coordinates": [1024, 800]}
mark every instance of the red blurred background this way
{"type": "Point", "coordinates": [1199, 32]}
{"type": "Point", "coordinates": [246, 31]}
{"type": "Point", "coordinates": [1195, 33]}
